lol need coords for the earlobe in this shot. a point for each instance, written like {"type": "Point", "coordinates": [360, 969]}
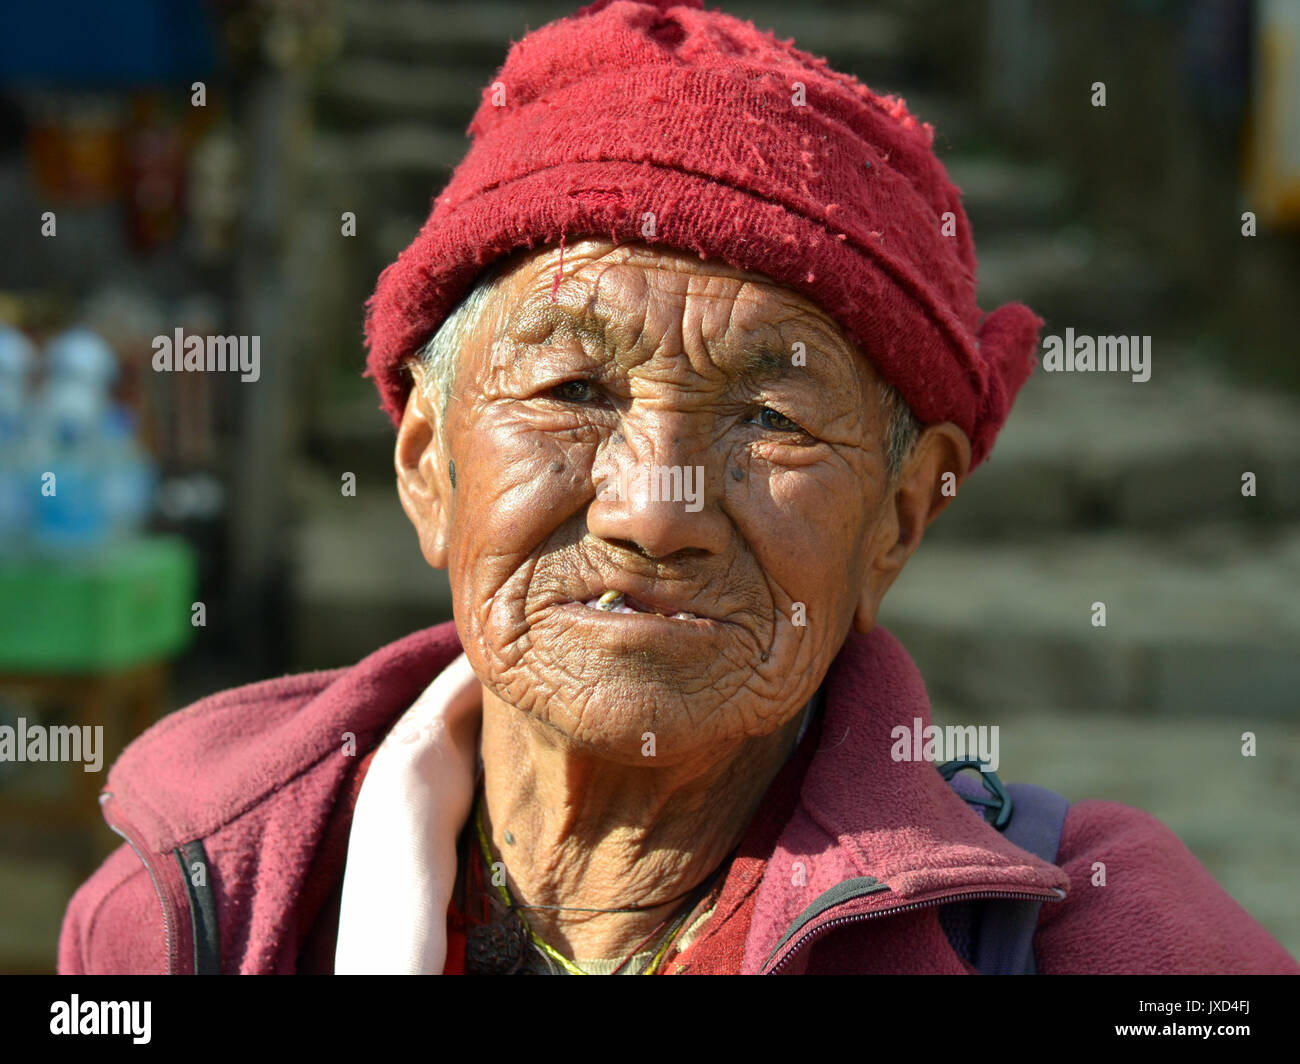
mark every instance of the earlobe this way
{"type": "Point", "coordinates": [418, 461]}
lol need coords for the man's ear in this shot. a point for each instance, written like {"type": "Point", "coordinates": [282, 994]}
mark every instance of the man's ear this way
{"type": "Point", "coordinates": [421, 464]}
{"type": "Point", "coordinates": [928, 482]}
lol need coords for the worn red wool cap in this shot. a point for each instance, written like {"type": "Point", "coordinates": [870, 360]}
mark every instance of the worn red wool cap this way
{"type": "Point", "coordinates": [745, 150]}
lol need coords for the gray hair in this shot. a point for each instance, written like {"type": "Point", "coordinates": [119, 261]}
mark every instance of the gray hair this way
{"type": "Point", "coordinates": [441, 357]}
{"type": "Point", "coordinates": [902, 428]}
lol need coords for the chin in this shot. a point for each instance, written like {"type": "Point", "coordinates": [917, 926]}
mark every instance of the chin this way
{"type": "Point", "coordinates": [635, 722]}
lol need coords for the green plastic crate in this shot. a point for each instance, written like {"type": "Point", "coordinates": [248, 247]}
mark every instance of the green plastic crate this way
{"type": "Point", "coordinates": [125, 604]}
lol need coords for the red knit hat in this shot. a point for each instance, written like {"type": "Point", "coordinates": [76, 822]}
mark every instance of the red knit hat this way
{"type": "Point", "coordinates": [744, 149]}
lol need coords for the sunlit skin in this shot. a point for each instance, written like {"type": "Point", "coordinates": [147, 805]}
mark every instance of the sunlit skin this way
{"type": "Point", "coordinates": [647, 357]}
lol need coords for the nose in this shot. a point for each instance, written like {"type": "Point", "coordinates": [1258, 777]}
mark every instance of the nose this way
{"type": "Point", "coordinates": [657, 488]}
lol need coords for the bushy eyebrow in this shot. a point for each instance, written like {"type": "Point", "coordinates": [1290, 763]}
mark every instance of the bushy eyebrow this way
{"type": "Point", "coordinates": [765, 362]}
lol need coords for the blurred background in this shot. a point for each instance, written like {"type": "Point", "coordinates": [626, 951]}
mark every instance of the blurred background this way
{"type": "Point", "coordinates": [186, 164]}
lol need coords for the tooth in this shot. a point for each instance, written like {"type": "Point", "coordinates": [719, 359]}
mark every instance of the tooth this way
{"type": "Point", "coordinates": [683, 616]}
{"type": "Point", "coordinates": [610, 601]}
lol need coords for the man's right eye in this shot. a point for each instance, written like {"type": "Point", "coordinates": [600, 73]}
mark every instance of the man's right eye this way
{"type": "Point", "coordinates": [579, 391]}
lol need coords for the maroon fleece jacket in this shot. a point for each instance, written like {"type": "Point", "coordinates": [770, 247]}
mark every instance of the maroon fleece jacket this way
{"type": "Point", "coordinates": [265, 777]}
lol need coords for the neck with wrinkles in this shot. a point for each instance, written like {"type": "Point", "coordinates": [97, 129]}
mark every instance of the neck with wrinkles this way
{"type": "Point", "coordinates": [578, 831]}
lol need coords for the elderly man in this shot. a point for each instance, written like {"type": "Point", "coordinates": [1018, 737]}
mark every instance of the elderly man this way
{"type": "Point", "coordinates": [683, 364]}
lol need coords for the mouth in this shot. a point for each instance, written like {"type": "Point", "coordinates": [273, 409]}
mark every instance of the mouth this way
{"type": "Point", "coordinates": [613, 601]}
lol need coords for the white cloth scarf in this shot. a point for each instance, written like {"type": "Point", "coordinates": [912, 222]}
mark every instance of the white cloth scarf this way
{"type": "Point", "coordinates": [401, 863]}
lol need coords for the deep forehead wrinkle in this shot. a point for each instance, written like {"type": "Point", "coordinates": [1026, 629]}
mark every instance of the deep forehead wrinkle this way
{"type": "Point", "coordinates": [761, 358]}
{"type": "Point", "coordinates": [536, 318]}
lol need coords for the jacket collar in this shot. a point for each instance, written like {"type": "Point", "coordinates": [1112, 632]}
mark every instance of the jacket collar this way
{"type": "Point", "coordinates": [199, 769]}
{"type": "Point", "coordinates": [861, 814]}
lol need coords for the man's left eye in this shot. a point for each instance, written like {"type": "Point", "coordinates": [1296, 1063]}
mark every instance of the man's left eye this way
{"type": "Point", "coordinates": [777, 422]}
{"type": "Point", "coordinates": [579, 391]}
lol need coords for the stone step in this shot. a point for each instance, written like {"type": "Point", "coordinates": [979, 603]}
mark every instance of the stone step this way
{"type": "Point", "coordinates": [1097, 450]}
{"type": "Point", "coordinates": [359, 92]}
{"type": "Point", "coordinates": [1069, 270]}
{"type": "Point", "coordinates": [1203, 621]}
{"type": "Point", "coordinates": [872, 40]}
{"type": "Point", "coordinates": [425, 30]}
{"type": "Point", "coordinates": [1002, 196]}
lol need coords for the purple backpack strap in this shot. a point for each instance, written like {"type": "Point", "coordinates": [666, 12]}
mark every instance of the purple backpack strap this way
{"type": "Point", "coordinates": [997, 935]}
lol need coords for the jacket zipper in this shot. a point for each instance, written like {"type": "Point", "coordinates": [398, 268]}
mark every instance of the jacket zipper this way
{"type": "Point", "coordinates": [798, 943]}
{"type": "Point", "coordinates": [120, 828]}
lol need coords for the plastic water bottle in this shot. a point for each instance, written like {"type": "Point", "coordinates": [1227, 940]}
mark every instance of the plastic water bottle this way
{"type": "Point", "coordinates": [70, 513]}
{"type": "Point", "coordinates": [127, 478]}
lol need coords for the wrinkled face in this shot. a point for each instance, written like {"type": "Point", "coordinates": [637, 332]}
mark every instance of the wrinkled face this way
{"type": "Point", "coordinates": [696, 446]}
